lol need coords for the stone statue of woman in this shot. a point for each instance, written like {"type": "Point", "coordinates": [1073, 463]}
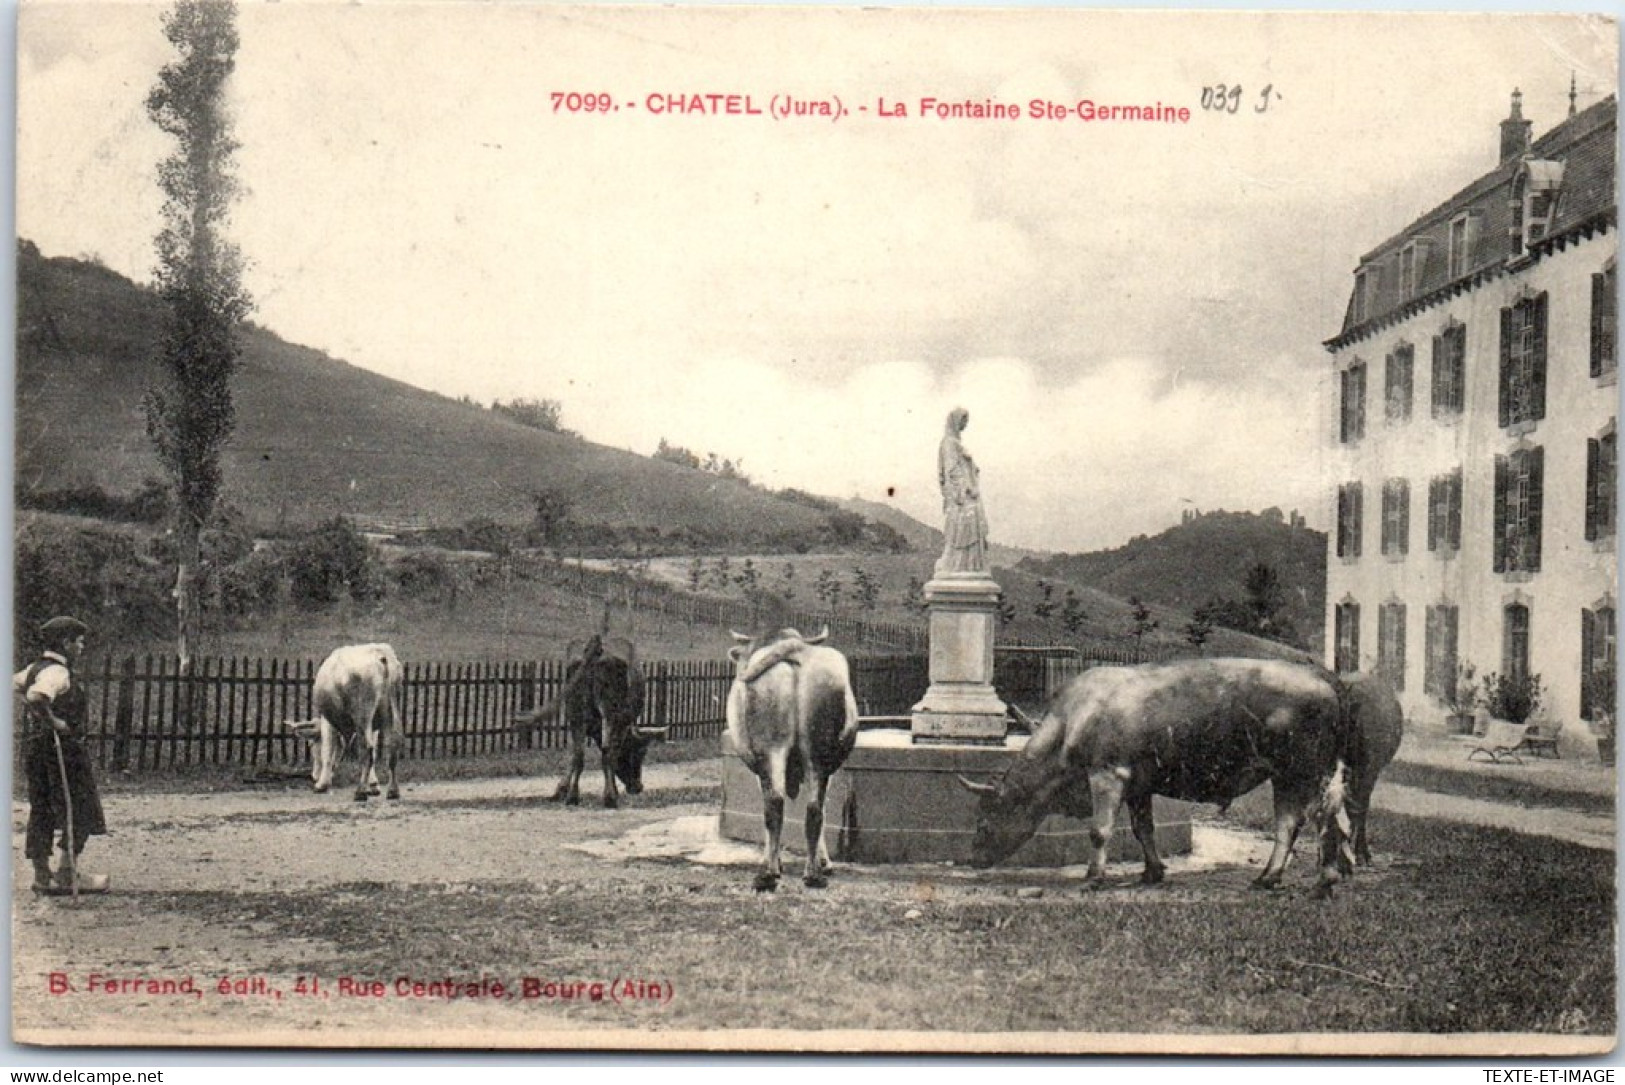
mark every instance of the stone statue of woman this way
{"type": "Point", "coordinates": [964, 524]}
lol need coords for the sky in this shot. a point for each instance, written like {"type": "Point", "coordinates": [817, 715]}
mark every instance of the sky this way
{"type": "Point", "coordinates": [1132, 313]}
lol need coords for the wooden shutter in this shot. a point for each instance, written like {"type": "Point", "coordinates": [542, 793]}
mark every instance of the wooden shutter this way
{"type": "Point", "coordinates": [1506, 368]}
{"type": "Point", "coordinates": [1438, 374]}
{"type": "Point", "coordinates": [1588, 652]}
{"type": "Point", "coordinates": [1399, 644]}
{"type": "Point", "coordinates": [1500, 565]}
{"type": "Point", "coordinates": [1599, 300]}
{"type": "Point", "coordinates": [1434, 488]}
{"type": "Point", "coordinates": [1458, 367]}
{"type": "Point", "coordinates": [1537, 364]}
{"type": "Point", "coordinates": [1404, 516]}
{"type": "Point", "coordinates": [1593, 484]}
{"type": "Point", "coordinates": [1452, 491]}
{"type": "Point", "coordinates": [1534, 464]}
{"type": "Point", "coordinates": [1359, 403]}
{"type": "Point", "coordinates": [1356, 516]}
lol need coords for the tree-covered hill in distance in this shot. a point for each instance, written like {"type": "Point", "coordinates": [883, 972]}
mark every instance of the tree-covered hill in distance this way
{"type": "Point", "coordinates": [318, 438]}
{"type": "Point", "coordinates": [1206, 560]}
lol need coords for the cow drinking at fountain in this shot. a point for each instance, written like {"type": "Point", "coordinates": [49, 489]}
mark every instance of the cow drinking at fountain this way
{"type": "Point", "coordinates": [792, 719]}
{"type": "Point", "coordinates": [600, 701]}
{"type": "Point", "coordinates": [1206, 731]}
{"type": "Point", "coordinates": [357, 695]}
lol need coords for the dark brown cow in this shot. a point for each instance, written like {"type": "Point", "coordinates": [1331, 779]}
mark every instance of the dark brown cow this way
{"type": "Point", "coordinates": [601, 700]}
{"type": "Point", "coordinates": [792, 717]}
{"type": "Point", "coordinates": [1206, 730]}
{"type": "Point", "coordinates": [357, 694]}
{"type": "Point", "coordinates": [1378, 725]}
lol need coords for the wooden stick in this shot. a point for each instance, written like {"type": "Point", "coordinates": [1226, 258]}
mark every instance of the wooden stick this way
{"type": "Point", "coordinates": [67, 805]}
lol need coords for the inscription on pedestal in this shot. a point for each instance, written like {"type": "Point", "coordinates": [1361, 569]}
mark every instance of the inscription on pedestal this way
{"type": "Point", "coordinates": [961, 704]}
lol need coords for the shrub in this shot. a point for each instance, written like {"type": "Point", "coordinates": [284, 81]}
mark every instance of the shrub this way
{"type": "Point", "coordinates": [330, 562]}
{"type": "Point", "coordinates": [149, 504]}
{"type": "Point", "coordinates": [1512, 697]}
{"type": "Point", "coordinates": [421, 575]}
{"type": "Point", "coordinates": [252, 584]}
{"type": "Point", "coordinates": [97, 575]}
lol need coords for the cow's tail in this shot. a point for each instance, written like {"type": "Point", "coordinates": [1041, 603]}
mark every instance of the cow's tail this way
{"type": "Point", "coordinates": [783, 651]}
{"type": "Point", "coordinates": [1338, 830]}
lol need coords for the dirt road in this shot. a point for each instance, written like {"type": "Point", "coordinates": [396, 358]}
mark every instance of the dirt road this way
{"type": "Point", "coordinates": [192, 873]}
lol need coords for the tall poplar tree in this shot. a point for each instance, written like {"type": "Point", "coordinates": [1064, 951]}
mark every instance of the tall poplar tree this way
{"type": "Point", "coordinates": [190, 416]}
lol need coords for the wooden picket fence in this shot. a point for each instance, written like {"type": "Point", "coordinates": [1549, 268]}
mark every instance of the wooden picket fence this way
{"type": "Point", "coordinates": [145, 715]}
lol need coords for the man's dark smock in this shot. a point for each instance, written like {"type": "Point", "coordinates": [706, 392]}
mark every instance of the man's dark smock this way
{"type": "Point", "coordinates": [47, 805]}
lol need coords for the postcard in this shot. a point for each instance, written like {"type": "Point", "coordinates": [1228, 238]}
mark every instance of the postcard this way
{"type": "Point", "coordinates": [646, 528]}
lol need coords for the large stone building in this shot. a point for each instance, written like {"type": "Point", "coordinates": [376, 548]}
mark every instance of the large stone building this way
{"type": "Point", "coordinates": [1473, 423]}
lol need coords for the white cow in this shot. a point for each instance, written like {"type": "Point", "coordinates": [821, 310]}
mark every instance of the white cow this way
{"type": "Point", "coordinates": [792, 718]}
{"type": "Point", "coordinates": [357, 694]}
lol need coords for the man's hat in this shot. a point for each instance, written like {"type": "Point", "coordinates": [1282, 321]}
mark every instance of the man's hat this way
{"type": "Point", "coordinates": [58, 631]}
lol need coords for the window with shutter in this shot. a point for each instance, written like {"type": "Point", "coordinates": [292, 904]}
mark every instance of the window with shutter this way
{"type": "Point", "coordinates": [1348, 638]}
{"type": "Point", "coordinates": [1604, 322]}
{"type": "Point", "coordinates": [1449, 370]}
{"type": "Point", "coordinates": [1396, 516]}
{"type": "Point", "coordinates": [1523, 361]}
{"type": "Point", "coordinates": [1515, 641]}
{"type": "Point", "coordinates": [1391, 643]}
{"type": "Point", "coordinates": [1602, 468]}
{"type": "Point", "coordinates": [1397, 383]}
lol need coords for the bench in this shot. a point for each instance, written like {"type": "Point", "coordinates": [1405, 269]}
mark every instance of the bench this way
{"type": "Point", "coordinates": [1541, 738]}
{"type": "Point", "coordinates": [1501, 742]}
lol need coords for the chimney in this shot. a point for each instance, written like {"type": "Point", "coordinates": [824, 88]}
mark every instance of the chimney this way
{"type": "Point", "coordinates": [1515, 130]}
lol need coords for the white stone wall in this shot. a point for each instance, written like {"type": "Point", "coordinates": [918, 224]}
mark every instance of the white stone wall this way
{"type": "Point", "coordinates": [1574, 573]}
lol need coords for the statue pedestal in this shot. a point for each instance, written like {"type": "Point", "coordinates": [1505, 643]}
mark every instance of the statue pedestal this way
{"type": "Point", "coordinates": [961, 705]}
{"type": "Point", "coordinates": [895, 801]}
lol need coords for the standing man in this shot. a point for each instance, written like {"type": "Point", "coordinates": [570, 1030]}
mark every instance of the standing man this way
{"type": "Point", "coordinates": [54, 760]}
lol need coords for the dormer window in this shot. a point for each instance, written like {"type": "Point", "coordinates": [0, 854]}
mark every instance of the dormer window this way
{"type": "Point", "coordinates": [1412, 265]}
{"type": "Point", "coordinates": [1464, 231]}
{"type": "Point", "coordinates": [1365, 285]}
{"type": "Point", "coordinates": [1534, 202]}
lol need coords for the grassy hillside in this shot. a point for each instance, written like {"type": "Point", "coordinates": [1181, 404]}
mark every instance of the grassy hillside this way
{"type": "Point", "coordinates": [1207, 558]}
{"type": "Point", "coordinates": [318, 438]}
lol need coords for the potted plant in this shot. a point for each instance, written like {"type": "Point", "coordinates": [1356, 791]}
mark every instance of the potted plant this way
{"type": "Point", "coordinates": [1512, 697]}
{"type": "Point", "coordinates": [1600, 692]}
{"type": "Point", "coordinates": [1461, 699]}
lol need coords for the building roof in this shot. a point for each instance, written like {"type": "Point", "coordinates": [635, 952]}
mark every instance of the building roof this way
{"type": "Point", "coordinates": [1583, 144]}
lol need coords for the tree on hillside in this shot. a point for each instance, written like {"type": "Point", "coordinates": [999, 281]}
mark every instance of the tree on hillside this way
{"type": "Point", "coordinates": [914, 596]}
{"type": "Point", "coordinates": [1045, 607]}
{"type": "Point", "coordinates": [1263, 587]}
{"type": "Point", "coordinates": [1144, 624]}
{"type": "Point", "coordinates": [1199, 629]}
{"type": "Point", "coordinates": [677, 454]}
{"type": "Point", "coordinates": [552, 512]}
{"type": "Point", "coordinates": [828, 590]}
{"type": "Point", "coordinates": [865, 588]}
{"type": "Point", "coordinates": [190, 415]}
{"type": "Point", "coordinates": [542, 414]}
{"type": "Point", "coordinates": [1072, 613]}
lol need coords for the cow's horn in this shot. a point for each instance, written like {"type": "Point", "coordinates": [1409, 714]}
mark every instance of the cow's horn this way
{"type": "Point", "coordinates": [1023, 719]}
{"type": "Point", "coordinates": [739, 637]}
{"type": "Point", "coordinates": [974, 787]}
{"type": "Point", "coordinates": [822, 636]}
